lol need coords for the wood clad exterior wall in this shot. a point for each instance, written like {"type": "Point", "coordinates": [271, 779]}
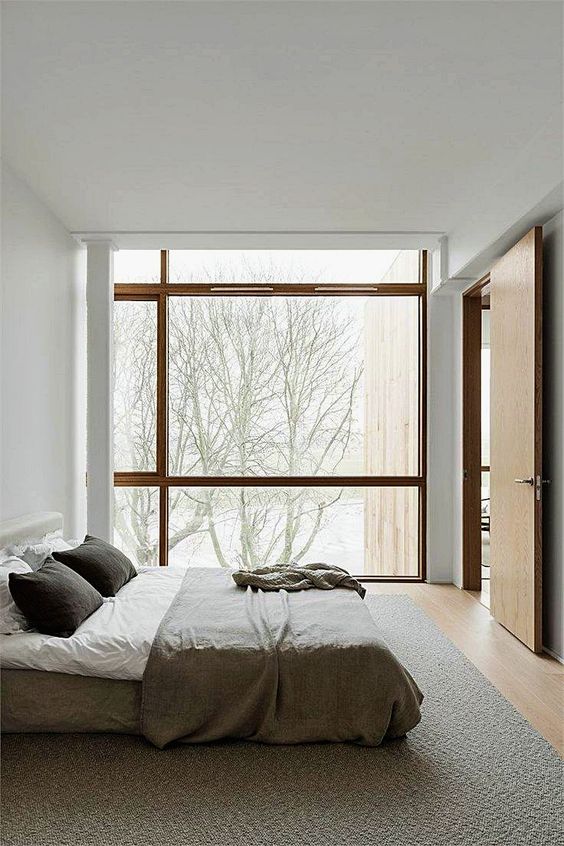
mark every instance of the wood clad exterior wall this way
{"type": "Point", "coordinates": [391, 411]}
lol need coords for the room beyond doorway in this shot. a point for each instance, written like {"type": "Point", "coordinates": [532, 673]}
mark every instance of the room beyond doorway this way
{"type": "Point", "coordinates": [476, 440]}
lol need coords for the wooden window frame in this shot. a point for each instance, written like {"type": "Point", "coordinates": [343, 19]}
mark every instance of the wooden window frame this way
{"type": "Point", "coordinates": [161, 291]}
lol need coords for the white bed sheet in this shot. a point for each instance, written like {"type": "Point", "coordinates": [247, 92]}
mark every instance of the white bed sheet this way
{"type": "Point", "coordinates": [113, 643]}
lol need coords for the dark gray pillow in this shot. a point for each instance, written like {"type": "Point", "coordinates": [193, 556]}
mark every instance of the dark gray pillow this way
{"type": "Point", "coordinates": [54, 599]}
{"type": "Point", "coordinates": [105, 567]}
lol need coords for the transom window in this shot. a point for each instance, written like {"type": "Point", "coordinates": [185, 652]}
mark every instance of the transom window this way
{"type": "Point", "coordinates": [268, 408]}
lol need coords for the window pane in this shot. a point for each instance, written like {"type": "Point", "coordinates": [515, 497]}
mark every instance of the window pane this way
{"type": "Point", "coordinates": [135, 385]}
{"type": "Point", "coordinates": [290, 386]}
{"type": "Point", "coordinates": [336, 267]}
{"type": "Point", "coordinates": [364, 530]}
{"type": "Point", "coordinates": [136, 524]}
{"type": "Point", "coordinates": [137, 266]}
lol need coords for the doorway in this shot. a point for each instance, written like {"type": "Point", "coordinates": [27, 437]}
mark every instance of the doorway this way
{"type": "Point", "coordinates": [502, 495]}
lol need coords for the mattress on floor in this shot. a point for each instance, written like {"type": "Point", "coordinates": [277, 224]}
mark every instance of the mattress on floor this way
{"type": "Point", "coordinates": [35, 701]}
{"type": "Point", "coordinates": [320, 643]}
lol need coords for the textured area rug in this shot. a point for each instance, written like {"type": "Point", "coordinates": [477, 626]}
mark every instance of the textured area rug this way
{"type": "Point", "coordinates": [472, 772]}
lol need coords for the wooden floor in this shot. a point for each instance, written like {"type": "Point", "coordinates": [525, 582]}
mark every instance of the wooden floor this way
{"type": "Point", "coordinates": [534, 684]}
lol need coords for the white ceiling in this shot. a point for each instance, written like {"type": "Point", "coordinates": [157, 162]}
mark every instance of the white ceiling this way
{"type": "Point", "coordinates": [268, 115]}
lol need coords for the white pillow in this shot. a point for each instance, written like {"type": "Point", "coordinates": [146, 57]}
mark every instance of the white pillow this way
{"type": "Point", "coordinates": [11, 618]}
{"type": "Point", "coordinates": [35, 553]}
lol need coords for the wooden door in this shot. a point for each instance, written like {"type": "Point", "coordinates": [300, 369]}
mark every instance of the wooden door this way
{"type": "Point", "coordinates": [516, 425]}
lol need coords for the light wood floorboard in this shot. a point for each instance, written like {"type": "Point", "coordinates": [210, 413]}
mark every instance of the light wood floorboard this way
{"type": "Point", "coordinates": [534, 684]}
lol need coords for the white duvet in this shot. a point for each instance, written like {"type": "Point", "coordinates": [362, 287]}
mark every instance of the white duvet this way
{"type": "Point", "coordinates": [113, 643]}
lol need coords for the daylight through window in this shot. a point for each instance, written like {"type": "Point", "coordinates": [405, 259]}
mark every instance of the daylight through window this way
{"type": "Point", "coordinates": [268, 408]}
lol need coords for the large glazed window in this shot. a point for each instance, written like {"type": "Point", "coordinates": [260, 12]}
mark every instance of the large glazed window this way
{"type": "Point", "coordinates": [268, 407]}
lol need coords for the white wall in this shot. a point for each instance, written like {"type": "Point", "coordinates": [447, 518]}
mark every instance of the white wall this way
{"type": "Point", "coordinates": [553, 436]}
{"type": "Point", "coordinates": [42, 446]}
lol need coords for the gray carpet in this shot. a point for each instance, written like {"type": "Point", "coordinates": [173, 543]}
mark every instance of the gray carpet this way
{"type": "Point", "coordinates": [472, 772]}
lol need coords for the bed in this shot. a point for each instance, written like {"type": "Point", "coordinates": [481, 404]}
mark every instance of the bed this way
{"type": "Point", "coordinates": [186, 655]}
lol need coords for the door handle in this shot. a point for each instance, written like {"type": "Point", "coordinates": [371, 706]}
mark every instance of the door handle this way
{"type": "Point", "coordinates": [529, 481]}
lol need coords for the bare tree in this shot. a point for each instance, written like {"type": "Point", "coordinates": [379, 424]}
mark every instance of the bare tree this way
{"type": "Point", "coordinates": [257, 387]}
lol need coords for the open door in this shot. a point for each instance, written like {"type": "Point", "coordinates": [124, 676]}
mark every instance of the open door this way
{"type": "Point", "coordinates": [516, 429]}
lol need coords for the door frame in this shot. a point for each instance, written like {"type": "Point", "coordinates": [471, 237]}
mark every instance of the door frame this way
{"type": "Point", "coordinates": [472, 305]}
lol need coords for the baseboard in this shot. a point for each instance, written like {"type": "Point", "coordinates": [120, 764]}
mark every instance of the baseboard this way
{"type": "Point", "coordinates": [554, 655]}
{"type": "Point", "coordinates": [439, 582]}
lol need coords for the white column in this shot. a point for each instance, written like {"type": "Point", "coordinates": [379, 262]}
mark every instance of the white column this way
{"type": "Point", "coordinates": [99, 438]}
{"type": "Point", "coordinates": [444, 448]}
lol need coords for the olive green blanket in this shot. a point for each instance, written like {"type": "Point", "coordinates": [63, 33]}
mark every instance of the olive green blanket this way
{"type": "Point", "coordinates": [272, 666]}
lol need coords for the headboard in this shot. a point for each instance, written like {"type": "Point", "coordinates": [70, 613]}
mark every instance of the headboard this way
{"type": "Point", "coordinates": [29, 527]}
